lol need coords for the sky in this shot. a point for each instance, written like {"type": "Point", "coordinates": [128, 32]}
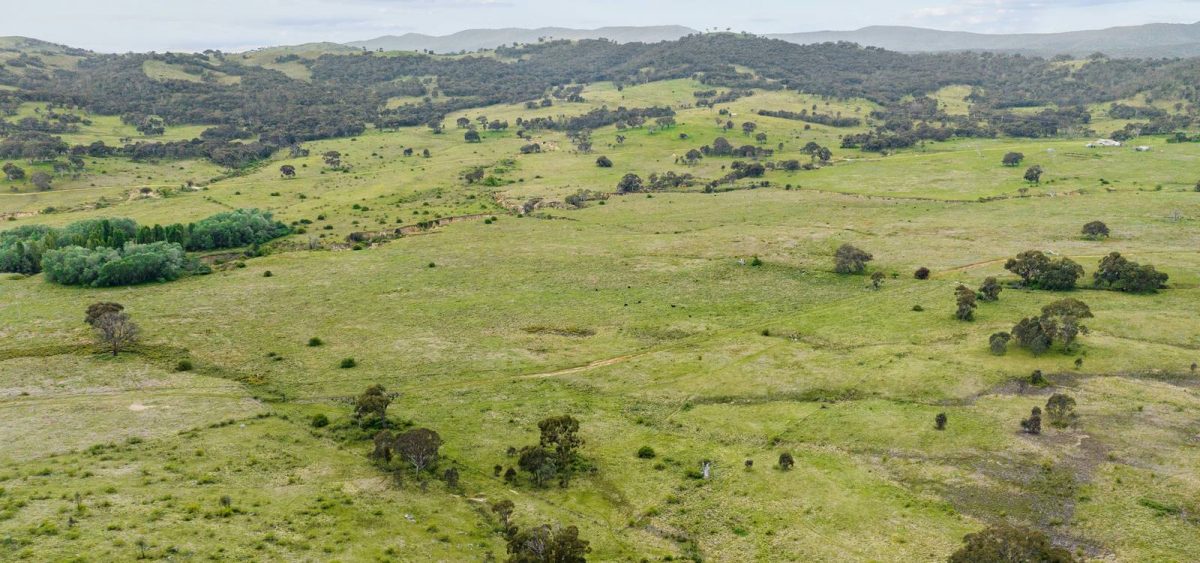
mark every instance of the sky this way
{"type": "Point", "coordinates": [234, 25]}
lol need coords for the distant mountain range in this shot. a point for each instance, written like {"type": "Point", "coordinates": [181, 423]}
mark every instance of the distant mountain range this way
{"type": "Point", "coordinates": [475, 39]}
{"type": "Point", "coordinates": [1150, 40]}
{"type": "Point", "coordinates": [1140, 41]}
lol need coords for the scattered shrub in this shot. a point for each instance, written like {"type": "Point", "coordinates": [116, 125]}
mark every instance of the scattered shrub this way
{"type": "Point", "coordinates": [646, 452]}
{"type": "Point", "coordinates": [348, 363]}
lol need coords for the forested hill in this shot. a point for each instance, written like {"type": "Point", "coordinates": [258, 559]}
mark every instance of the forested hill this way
{"type": "Point", "coordinates": [476, 39]}
{"type": "Point", "coordinates": [254, 108]}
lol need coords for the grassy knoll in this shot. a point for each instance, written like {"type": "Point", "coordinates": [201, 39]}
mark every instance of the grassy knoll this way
{"type": "Point", "coordinates": [644, 318]}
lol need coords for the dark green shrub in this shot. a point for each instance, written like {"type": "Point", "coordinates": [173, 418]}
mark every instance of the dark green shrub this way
{"type": "Point", "coordinates": [1004, 543]}
{"type": "Point", "coordinates": [320, 421]}
{"type": "Point", "coordinates": [348, 363]}
{"type": "Point", "coordinates": [646, 452]}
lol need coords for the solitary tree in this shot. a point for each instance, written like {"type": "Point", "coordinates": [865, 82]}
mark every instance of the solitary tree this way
{"type": "Point", "coordinates": [13, 172]}
{"type": "Point", "coordinates": [504, 510]}
{"type": "Point", "coordinates": [419, 447]}
{"type": "Point", "coordinates": [850, 260]}
{"type": "Point", "coordinates": [41, 180]}
{"type": "Point", "coordinates": [965, 298]}
{"type": "Point", "coordinates": [998, 343]}
{"type": "Point", "coordinates": [333, 159]}
{"type": "Point", "coordinates": [472, 136]}
{"type": "Point", "coordinates": [604, 162]}
{"type": "Point", "coordinates": [96, 310]}
{"type": "Point", "coordinates": [561, 434]}
{"type": "Point", "coordinates": [939, 421]}
{"type": "Point", "coordinates": [474, 174]}
{"type": "Point", "coordinates": [462, 122]}
{"type": "Point", "coordinates": [1034, 174]}
{"type": "Point", "coordinates": [629, 183]}
{"type": "Point", "coordinates": [990, 289]}
{"type": "Point", "coordinates": [539, 463]}
{"type": "Point", "coordinates": [1095, 230]}
{"type": "Point", "coordinates": [370, 408]}
{"type": "Point", "coordinates": [1012, 159]}
{"type": "Point", "coordinates": [877, 280]}
{"type": "Point", "coordinates": [1033, 424]}
{"type": "Point", "coordinates": [287, 171]}
{"type": "Point", "coordinates": [116, 331]}
{"type": "Point", "coordinates": [786, 461]}
{"type": "Point", "coordinates": [922, 273]}
{"type": "Point", "coordinates": [1060, 408]}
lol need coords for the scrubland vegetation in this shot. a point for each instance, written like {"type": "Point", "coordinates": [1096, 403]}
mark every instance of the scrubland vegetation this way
{"type": "Point", "coordinates": [754, 301]}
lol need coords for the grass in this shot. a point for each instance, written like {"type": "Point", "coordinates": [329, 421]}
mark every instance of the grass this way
{"type": "Point", "coordinates": [643, 319]}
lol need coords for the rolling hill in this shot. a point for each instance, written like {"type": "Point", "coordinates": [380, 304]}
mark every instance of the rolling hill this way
{"type": "Point", "coordinates": [1151, 40]}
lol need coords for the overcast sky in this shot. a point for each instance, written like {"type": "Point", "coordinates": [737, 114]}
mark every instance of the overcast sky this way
{"type": "Point", "coordinates": [194, 25]}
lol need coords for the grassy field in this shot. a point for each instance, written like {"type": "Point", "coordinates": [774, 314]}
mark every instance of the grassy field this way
{"type": "Point", "coordinates": [641, 316]}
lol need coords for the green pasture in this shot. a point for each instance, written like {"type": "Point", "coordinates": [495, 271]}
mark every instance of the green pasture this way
{"type": "Point", "coordinates": [643, 317]}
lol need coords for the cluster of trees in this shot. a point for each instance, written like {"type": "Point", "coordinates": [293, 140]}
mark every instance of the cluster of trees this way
{"type": "Point", "coordinates": [543, 543]}
{"type": "Point", "coordinates": [1060, 409]}
{"type": "Point", "coordinates": [1164, 125]}
{"type": "Point", "coordinates": [814, 117]}
{"type": "Point", "coordinates": [883, 140]}
{"type": "Point", "coordinates": [967, 299]}
{"type": "Point", "coordinates": [1043, 272]}
{"type": "Point", "coordinates": [1046, 123]}
{"type": "Point", "coordinates": [1125, 111]}
{"type": "Point", "coordinates": [621, 117]}
{"type": "Point", "coordinates": [33, 146]}
{"type": "Point", "coordinates": [231, 229]}
{"type": "Point", "coordinates": [1114, 272]}
{"type": "Point", "coordinates": [105, 267]}
{"type": "Point", "coordinates": [1118, 273]}
{"type": "Point", "coordinates": [21, 249]}
{"type": "Point", "coordinates": [1059, 322]}
{"type": "Point", "coordinates": [710, 98]}
{"type": "Point", "coordinates": [137, 254]}
{"type": "Point", "coordinates": [555, 456]}
{"type": "Point", "coordinates": [722, 147]}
